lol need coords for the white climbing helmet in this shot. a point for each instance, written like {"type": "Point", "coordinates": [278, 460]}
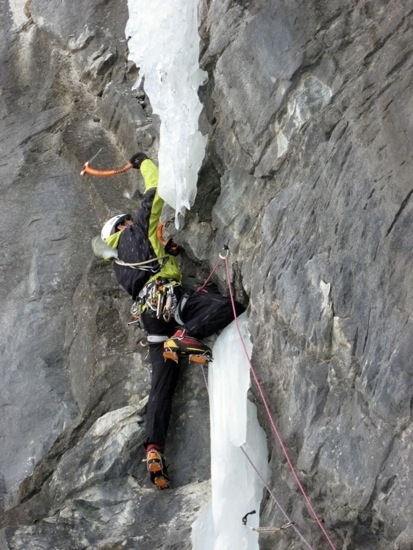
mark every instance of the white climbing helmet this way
{"type": "Point", "coordinates": [110, 226]}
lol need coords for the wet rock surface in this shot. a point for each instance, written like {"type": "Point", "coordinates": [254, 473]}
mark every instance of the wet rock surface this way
{"type": "Point", "coordinates": [307, 179]}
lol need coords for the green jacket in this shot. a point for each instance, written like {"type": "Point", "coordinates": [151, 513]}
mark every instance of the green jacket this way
{"type": "Point", "coordinates": [139, 242]}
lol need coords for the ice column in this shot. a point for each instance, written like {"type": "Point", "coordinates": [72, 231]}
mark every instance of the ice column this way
{"type": "Point", "coordinates": [164, 44]}
{"type": "Point", "coordinates": [236, 488]}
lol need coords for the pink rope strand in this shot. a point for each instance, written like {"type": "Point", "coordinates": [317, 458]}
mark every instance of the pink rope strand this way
{"type": "Point", "coordinates": [272, 422]}
{"type": "Point", "coordinates": [201, 288]}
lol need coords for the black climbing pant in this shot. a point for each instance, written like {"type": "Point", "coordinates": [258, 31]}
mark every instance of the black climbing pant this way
{"type": "Point", "coordinates": [203, 314]}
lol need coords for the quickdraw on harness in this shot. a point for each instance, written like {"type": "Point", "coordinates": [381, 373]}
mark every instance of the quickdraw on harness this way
{"type": "Point", "coordinates": [158, 298]}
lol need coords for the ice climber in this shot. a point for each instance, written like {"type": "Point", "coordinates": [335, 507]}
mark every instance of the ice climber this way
{"type": "Point", "coordinates": [176, 321]}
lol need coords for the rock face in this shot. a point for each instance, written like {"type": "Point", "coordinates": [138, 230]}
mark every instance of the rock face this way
{"type": "Point", "coordinates": [307, 179]}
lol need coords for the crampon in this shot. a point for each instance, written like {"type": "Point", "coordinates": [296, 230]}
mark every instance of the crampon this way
{"type": "Point", "coordinates": [183, 345]}
{"type": "Point", "coordinates": [194, 358]}
{"type": "Point", "coordinates": [157, 469]}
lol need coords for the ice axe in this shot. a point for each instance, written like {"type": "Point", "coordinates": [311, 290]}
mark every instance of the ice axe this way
{"type": "Point", "coordinates": [87, 169]}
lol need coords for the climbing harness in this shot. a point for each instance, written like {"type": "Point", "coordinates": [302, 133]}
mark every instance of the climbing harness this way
{"type": "Point", "coordinates": [266, 530]}
{"type": "Point", "coordinates": [87, 169]}
{"type": "Point", "coordinates": [180, 307]}
{"type": "Point", "coordinates": [158, 298]}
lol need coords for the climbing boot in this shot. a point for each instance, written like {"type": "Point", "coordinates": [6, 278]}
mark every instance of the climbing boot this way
{"type": "Point", "coordinates": [181, 344]}
{"type": "Point", "coordinates": [157, 469]}
{"type": "Point", "coordinates": [161, 480]}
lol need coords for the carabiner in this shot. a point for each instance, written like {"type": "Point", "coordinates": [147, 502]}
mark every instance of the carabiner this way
{"type": "Point", "coordinates": [227, 252]}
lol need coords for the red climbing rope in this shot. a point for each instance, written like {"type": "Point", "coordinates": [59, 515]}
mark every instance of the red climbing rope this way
{"type": "Point", "coordinates": [264, 400]}
{"type": "Point", "coordinates": [201, 288]}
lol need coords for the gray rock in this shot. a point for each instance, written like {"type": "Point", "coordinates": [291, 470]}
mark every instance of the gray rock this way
{"type": "Point", "coordinates": [307, 180]}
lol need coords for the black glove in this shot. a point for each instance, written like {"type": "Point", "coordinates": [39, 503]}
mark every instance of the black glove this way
{"type": "Point", "coordinates": [172, 248]}
{"type": "Point", "coordinates": [137, 160]}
